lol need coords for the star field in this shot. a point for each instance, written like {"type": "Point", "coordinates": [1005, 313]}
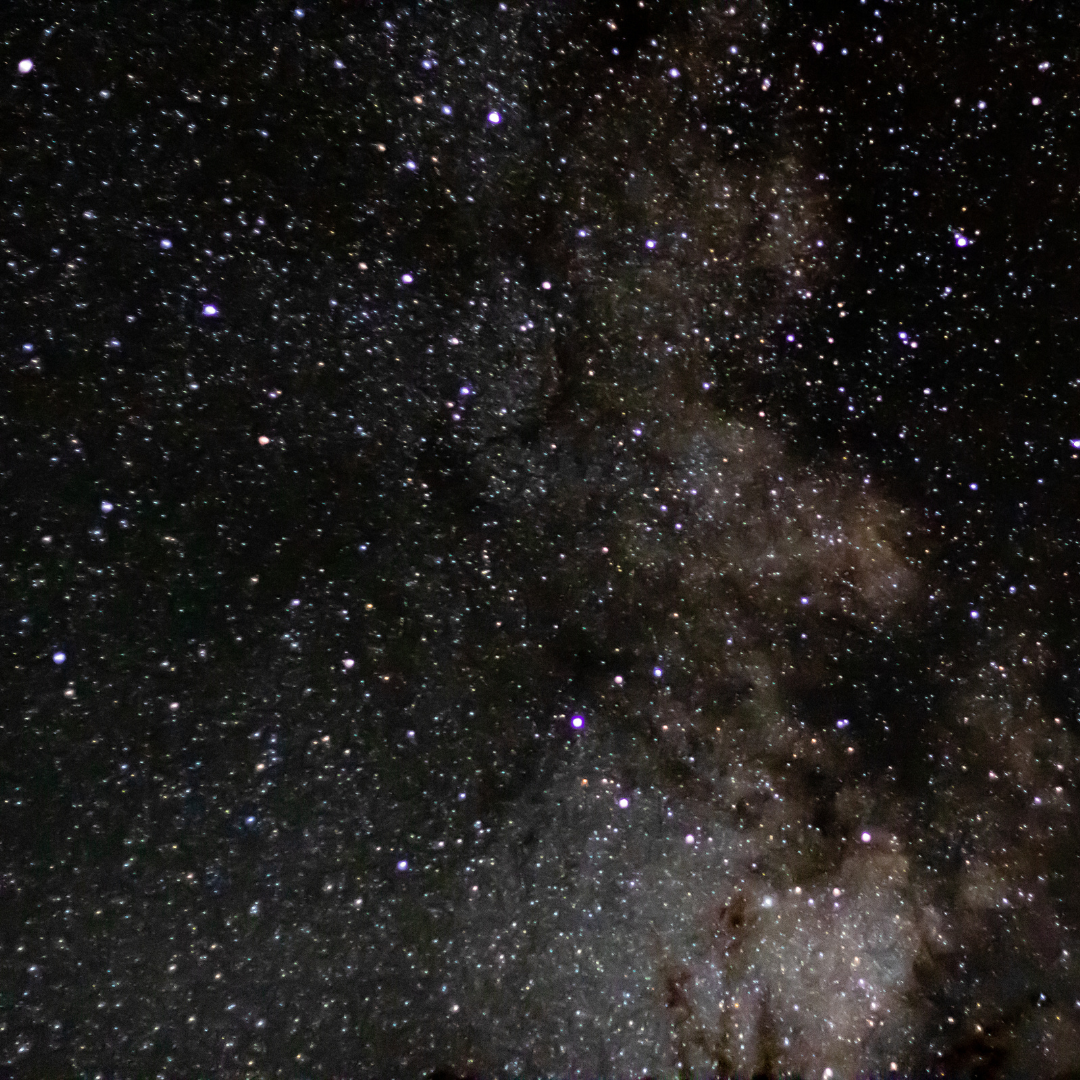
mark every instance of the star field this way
{"type": "Point", "coordinates": [539, 540]}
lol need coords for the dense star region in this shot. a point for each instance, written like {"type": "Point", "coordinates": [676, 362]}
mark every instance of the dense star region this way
{"type": "Point", "coordinates": [539, 540]}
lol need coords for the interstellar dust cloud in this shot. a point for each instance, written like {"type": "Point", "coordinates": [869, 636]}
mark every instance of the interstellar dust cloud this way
{"type": "Point", "coordinates": [791, 823]}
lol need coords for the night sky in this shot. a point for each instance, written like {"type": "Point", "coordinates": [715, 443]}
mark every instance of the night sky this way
{"type": "Point", "coordinates": [539, 539]}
